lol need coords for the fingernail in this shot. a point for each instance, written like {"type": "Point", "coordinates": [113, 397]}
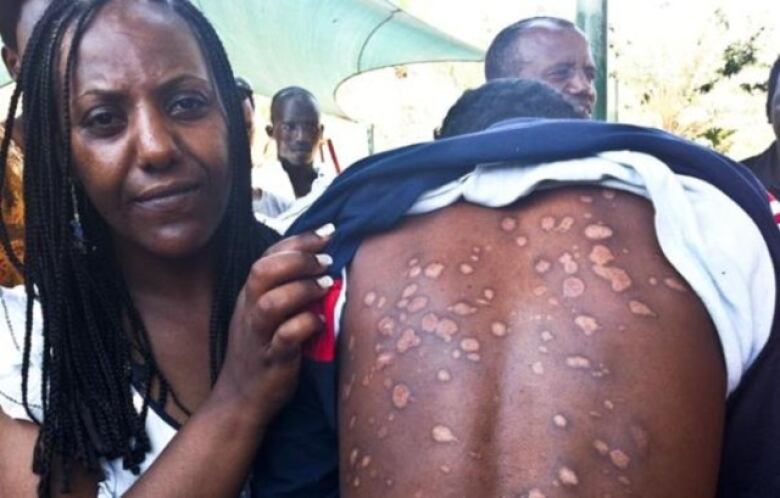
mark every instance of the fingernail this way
{"type": "Point", "coordinates": [326, 231]}
{"type": "Point", "coordinates": [325, 282]}
{"type": "Point", "coordinates": [322, 318]}
{"type": "Point", "coordinates": [324, 259]}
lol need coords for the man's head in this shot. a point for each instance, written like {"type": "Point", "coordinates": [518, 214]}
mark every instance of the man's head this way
{"type": "Point", "coordinates": [247, 104]}
{"type": "Point", "coordinates": [773, 97]}
{"type": "Point", "coordinates": [502, 99]}
{"type": "Point", "coordinates": [548, 49]}
{"type": "Point", "coordinates": [295, 125]}
{"type": "Point", "coordinates": [246, 91]}
{"type": "Point", "coordinates": [17, 20]}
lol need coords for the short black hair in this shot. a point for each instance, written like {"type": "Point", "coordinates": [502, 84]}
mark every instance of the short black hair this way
{"type": "Point", "coordinates": [288, 93]}
{"type": "Point", "coordinates": [499, 52]}
{"type": "Point", "coordinates": [505, 98]}
{"type": "Point", "coordinates": [245, 89]}
{"type": "Point", "coordinates": [771, 86]}
{"type": "Point", "coordinates": [10, 10]}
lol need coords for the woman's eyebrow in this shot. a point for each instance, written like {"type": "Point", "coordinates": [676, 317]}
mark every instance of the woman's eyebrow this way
{"type": "Point", "coordinates": [101, 90]}
{"type": "Point", "coordinates": [186, 78]}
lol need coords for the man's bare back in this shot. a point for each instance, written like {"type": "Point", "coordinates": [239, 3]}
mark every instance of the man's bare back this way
{"type": "Point", "coordinates": [547, 349]}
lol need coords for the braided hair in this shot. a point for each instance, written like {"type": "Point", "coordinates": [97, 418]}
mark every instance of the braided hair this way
{"type": "Point", "coordinates": [92, 330]}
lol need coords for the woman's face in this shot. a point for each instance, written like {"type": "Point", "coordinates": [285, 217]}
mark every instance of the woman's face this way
{"type": "Point", "coordinates": [149, 135]}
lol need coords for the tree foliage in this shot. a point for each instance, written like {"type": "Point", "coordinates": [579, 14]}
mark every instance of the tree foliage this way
{"type": "Point", "coordinates": [692, 83]}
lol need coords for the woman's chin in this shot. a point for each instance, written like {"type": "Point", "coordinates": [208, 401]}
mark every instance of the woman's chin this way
{"type": "Point", "coordinates": [173, 243]}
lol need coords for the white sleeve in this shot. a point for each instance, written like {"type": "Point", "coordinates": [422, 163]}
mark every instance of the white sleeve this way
{"type": "Point", "coordinates": [708, 238]}
{"type": "Point", "coordinates": [13, 309]}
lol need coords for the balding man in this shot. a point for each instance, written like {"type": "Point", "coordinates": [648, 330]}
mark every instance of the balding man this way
{"type": "Point", "coordinates": [297, 130]}
{"type": "Point", "coordinates": [547, 49]}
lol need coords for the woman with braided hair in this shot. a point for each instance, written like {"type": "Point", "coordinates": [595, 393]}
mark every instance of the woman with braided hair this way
{"type": "Point", "coordinates": [162, 328]}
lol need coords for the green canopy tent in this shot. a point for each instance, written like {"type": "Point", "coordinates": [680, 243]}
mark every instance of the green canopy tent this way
{"type": "Point", "coordinates": [317, 44]}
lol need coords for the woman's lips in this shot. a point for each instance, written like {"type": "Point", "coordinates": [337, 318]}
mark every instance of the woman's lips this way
{"type": "Point", "coordinates": [167, 197]}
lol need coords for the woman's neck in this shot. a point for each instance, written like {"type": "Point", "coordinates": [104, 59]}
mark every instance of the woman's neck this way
{"type": "Point", "coordinates": [174, 299]}
{"type": "Point", "coordinates": [171, 279]}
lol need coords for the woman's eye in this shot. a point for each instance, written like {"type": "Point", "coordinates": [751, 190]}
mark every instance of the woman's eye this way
{"type": "Point", "coordinates": [187, 107]}
{"type": "Point", "coordinates": [103, 122]}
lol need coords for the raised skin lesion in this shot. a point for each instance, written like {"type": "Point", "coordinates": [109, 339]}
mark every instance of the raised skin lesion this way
{"type": "Point", "coordinates": [511, 381]}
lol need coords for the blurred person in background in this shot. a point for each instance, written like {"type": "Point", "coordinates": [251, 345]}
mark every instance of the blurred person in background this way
{"type": "Point", "coordinates": [766, 166]}
{"type": "Point", "coordinates": [297, 131]}
{"type": "Point", "coordinates": [265, 204]}
{"type": "Point", "coordinates": [17, 20]}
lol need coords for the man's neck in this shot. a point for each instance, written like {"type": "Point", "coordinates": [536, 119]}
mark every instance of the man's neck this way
{"type": "Point", "coordinates": [301, 177]}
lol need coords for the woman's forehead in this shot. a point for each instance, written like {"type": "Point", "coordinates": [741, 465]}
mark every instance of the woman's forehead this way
{"type": "Point", "coordinates": [136, 39]}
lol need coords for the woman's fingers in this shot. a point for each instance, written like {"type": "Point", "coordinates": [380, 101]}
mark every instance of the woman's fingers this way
{"type": "Point", "coordinates": [280, 268]}
{"type": "Point", "coordinates": [279, 304]}
{"type": "Point", "coordinates": [307, 242]}
{"type": "Point", "coordinates": [290, 335]}
{"type": "Point", "coordinates": [272, 318]}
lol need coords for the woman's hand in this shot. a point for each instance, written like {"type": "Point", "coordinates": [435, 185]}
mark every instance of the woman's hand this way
{"type": "Point", "coordinates": [271, 322]}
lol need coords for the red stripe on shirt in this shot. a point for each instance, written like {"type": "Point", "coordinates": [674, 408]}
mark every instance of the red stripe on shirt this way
{"type": "Point", "coordinates": [322, 347]}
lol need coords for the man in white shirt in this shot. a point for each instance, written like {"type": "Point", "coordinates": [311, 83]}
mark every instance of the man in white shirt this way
{"type": "Point", "coordinates": [297, 130]}
{"type": "Point", "coordinates": [265, 204]}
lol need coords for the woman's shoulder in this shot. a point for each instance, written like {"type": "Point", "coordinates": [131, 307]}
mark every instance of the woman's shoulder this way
{"type": "Point", "coordinates": [13, 312]}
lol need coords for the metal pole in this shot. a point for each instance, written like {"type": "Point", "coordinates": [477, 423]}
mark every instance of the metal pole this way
{"type": "Point", "coordinates": [371, 136]}
{"type": "Point", "coordinates": [592, 19]}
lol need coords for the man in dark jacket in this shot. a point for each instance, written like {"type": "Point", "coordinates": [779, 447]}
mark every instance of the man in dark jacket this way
{"type": "Point", "coordinates": [766, 165]}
